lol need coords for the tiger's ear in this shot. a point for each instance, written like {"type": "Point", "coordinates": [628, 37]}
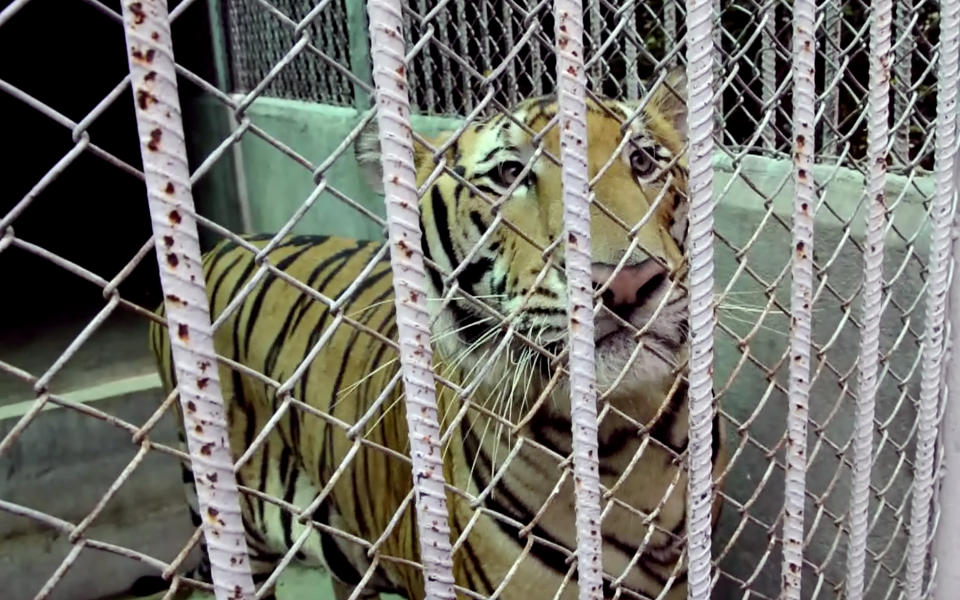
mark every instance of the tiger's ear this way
{"type": "Point", "coordinates": [670, 100]}
{"type": "Point", "coordinates": [366, 149]}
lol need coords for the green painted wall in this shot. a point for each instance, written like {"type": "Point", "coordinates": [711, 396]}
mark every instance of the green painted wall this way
{"type": "Point", "coordinates": [277, 184]}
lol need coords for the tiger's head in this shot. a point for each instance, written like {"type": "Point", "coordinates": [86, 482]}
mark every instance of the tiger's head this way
{"type": "Point", "coordinates": [495, 212]}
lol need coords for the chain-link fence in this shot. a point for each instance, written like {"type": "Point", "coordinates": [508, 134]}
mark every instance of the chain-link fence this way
{"type": "Point", "coordinates": [678, 329]}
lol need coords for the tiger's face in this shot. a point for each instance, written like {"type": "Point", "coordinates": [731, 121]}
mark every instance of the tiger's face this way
{"type": "Point", "coordinates": [491, 221]}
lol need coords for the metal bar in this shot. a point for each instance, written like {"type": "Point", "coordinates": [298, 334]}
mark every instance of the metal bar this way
{"type": "Point", "coordinates": [596, 31]}
{"type": "Point", "coordinates": [945, 549]}
{"type": "Point", "coordinates": [218, 41]}
{"type": "Point", "coordinates": [768, 72]}
{"type": "Point", "coordinates": [443, 20]}
{"type": "Point", "coordinates": [631, 55]}
{"type": "Point", "coordinates": [903, 75]}
{"type": "Point", "coordinates": [536, 59]}
{"type": "Point", "coordinates": [801, 292]}
{"type": "Point", "coordinates": [878, 136]}
{"type": "Point", "coordinates": [165, 167]}
{"type": "Point", "coordinates": [701, 121]}
{"type": "Point", "coordinates": [938, 281]}
{"type": "Point", "coordinates": [831, 58]}
{"type": "Point", "coordinates": [670, 26]}
{"type": "Point", "coordinates": [718, 67]}
{"type": "Point", "coordinates": [506, 13]}
{"type": "Point", "coordinates": [430, 98]}
{"type": "Point", "coordinates": [410, 295]}
{"type": "Point", "coordinates": [571, 97]}
{"type": "Point", "coordinates": [466, 87]}
{"type": "Point", "coordinates": [359, 51]}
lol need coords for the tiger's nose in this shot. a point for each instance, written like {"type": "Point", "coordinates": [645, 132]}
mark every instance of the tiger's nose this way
{"type": "Point", "coordinates": [630, 287]}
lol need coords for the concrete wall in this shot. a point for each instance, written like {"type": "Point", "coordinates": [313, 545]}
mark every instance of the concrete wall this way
{"type": "Point", "coordinates": [65, 462]}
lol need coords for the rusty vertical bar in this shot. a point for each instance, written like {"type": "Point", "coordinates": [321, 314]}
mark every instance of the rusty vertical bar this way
{"type": "Point", "coordinates": [941, 214]}
{"type": "Point", "coordinates": [945, 548]}
{"type": "Point", "coordinates": [410, 295]}
{"type": "Point", "coordinates": [670, 26]}
{"type": "Point", "coordinates": [833, 19]}
{"type": "Point", "coordinates": [801, 292]}
{"type": "Point", "coordinates": [701, 121]}
{"type": "Point", "coordinates": [571, 96]}
{"type": "Point", "coordinates": [632, 78]}
{"type": "Point", "coordinates": [768, 72]}
{"type": "Point", "coordinates": [903, 76]}
{"type": "Point", "coordinates": [878, 136]}
{"type": "Point", "coordinates": [162, 146]}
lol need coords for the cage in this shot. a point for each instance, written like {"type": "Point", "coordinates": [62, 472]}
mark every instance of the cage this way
{"type": "Point", "coordinates": [788, 261]}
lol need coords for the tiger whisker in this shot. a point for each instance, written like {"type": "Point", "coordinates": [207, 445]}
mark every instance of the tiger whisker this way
{"type": "Point", "coordinates": [360, 311]}
{"type": "Point", "coordinates": [393, 360]}
{"type": "Point", "coordinates": [755, 324]}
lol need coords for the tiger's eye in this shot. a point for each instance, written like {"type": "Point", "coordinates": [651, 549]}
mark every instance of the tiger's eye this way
{"type": "Point", "coordinates": [642, 163]}
{"type": "Point", "coordinates": [508, 172]}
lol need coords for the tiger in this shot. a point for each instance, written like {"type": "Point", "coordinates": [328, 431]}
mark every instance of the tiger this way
{"type": "Point", "coordinates": [512, 528]}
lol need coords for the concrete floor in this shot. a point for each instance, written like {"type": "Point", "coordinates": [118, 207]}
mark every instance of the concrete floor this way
{"type": "Point", "coordinates": [296, 583]}
{"type": "Point", "coordinates": [118, 349]}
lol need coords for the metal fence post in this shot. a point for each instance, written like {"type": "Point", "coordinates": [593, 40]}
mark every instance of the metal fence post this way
{"type": "Point", "coordinates": [801, 293]}
{"type": "Point", "coordinates": [918, 547]}
{"type": "Point", "coordinates": [410, 295]}
{"type": "Point", "coordinates": [946, 552]}
{"type": "Point", "coordinates": [872, 294]}
{"type": "Point", "coordinates": [571, 95]}
{"type": "Point", "coordinates": [165, 167]}
{"type": "Point", "coordinates": [702, 119]}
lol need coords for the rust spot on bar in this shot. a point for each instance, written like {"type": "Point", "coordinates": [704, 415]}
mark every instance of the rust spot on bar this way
{"type": "Point", "coordinates": [175, 299]}
{"type": "Point", "coordinates": [212, 477]}
{"type": "Point", "coordinates": [169, 189]}
{"type": "Point", "coordinates": [183, 332]}
{"type": "Point", "coordinates": [168, 240]}
{"type": "Point", "coordinates": [155, 36]}
{"type": "Point", "coordinates": [191, 407]}
{"type": "Point", "coordinates": [154, 143]}
{"type": "Point", "coordinates": [145, 99]}
{"type": "Point", "coordinates": [203, 382]}
{"type": "Point", "coordinates": [206, 449]}
{"type": "Point", "coordinates": [204, 366]}
{"type": "Point", "coordinates": [414, 296]}
{"type": "Point", "coordinates": [174, 217]}
{"type": "Point", "coordinates": [150, 76]}
{"type": "Point", "coordinates": [405, 248]}
{"type": "Point", "coordinates": [212, 512]}
{"type": "Point", "coordinates": [139, 16]}
{"type": "Point", "coordinates": [149, 55]}
{"type": "Point", "coordinates": [172, 260]}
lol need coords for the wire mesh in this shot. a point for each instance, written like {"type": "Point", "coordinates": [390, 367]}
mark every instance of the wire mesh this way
{"type": "Point", "coordinates": [324, 460]}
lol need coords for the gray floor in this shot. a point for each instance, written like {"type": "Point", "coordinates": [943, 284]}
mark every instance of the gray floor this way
{"type": "Point", "coordinates": [116, 350]}
{"type": "Point", "coordinates": [295, 583]}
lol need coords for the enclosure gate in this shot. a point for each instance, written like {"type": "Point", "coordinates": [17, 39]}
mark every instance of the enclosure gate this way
{"type": "Point", "coordinates": [413, 50]}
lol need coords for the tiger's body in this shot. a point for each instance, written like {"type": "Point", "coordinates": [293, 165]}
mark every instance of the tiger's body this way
{"type": "Point", "coordinates": [275, 327]}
